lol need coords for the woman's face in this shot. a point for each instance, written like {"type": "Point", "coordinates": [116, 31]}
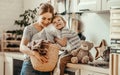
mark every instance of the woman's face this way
{"type": "Point", "coordinates": [45, 19]}
{"type": "Point", "coordinates": [58, 23]}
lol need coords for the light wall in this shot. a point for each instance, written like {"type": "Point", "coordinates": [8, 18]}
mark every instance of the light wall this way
{"type": "Point", "coordinates": [9, 12]}
{"type": "Point", "coordinates": [31, 4]}
{"type": "Point", "coordinates": [97, 27]}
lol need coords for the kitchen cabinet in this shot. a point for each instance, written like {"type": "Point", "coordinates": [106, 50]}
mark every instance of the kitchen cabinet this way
{"type": "Point", "coordinates": [115, 30]}
{"type": "Point", "coordinates": [115, 23]}
{"type": "Point", "coordinates": [114, 64]}
{"type": "Point", "coordinates": [10, 42]}
{"type": "Point", "coordinates": [93, 5]}
{"type": "Point", "coordinates": [85, 72]}
{"type": "Point", "coordinates": [114, 4]}
{"type": "Point", "coordinates": [115, 37]}
{"type": "Point", "coordinates": [8, 65]}
{"type": "Point", "coordinates": [72, 71]}
{"type": "Point", "coordinates": [13, 63]}
{"type": "Point", "coordinates": [1, 64]}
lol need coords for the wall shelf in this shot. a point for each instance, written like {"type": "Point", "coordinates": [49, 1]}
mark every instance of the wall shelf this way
{"type": "Point", "coordinates": [10, 45]}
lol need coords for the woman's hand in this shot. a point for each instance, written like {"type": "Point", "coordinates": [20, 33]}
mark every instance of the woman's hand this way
{"type": "Point", "coordinates": [42, 59]}
{"type": "Point", "coordinates": [62, 41]}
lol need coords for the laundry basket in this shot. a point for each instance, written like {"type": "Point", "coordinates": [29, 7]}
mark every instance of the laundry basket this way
{"type": "Point", "coordinates": [53, 51]}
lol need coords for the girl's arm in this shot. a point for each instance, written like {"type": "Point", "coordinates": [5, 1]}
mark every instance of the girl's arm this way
{"type": "Point", "coordinates": [61, 41]}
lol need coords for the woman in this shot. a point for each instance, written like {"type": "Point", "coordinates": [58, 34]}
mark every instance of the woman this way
{"type": "Point", "coordinates": [45, 14]}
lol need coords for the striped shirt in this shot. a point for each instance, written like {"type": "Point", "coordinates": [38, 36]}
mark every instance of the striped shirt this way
{"type": "Point", "coordinates": [72, 37]}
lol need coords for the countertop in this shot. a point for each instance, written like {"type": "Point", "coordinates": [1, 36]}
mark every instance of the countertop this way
{"type": "Point", "coordinates": [14, 55]}
{"type": "Point", "coordinates": [89, 68]}
{"type": "Point", "coordinates": [20, 56]}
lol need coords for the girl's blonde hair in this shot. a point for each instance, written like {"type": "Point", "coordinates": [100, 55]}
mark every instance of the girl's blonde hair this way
{"type": "Point", "coordinates": [60, 17]}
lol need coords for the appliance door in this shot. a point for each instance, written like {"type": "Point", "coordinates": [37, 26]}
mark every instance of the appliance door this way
{"type": "Point", "coordinates": [114, 64]}
{"type": "Point", "coordinates": [17, 66]}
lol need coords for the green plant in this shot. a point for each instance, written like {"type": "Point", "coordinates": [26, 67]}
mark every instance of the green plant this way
{"type": "Point", "coordinates": [28, 17]}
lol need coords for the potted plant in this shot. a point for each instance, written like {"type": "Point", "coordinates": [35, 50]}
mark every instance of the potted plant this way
{"type": "Point", "coordinates": [28, 17]}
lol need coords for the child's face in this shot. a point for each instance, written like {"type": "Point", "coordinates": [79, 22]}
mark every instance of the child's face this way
{"type": "Point", "coordinates": [58, 23]}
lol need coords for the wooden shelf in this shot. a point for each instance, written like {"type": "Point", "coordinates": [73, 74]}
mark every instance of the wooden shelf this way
{"type": "Point", "coordinates": [115, 36]}
{"type": "Point", "coordinates": [11, 48]}
{"type": "Point", "coordinates": [115, 18]}
{"type": "Point", "coordinates": [115, 24]}
{"type": "Point", "coordinates": [12, 43]}
{"type": "Point", "coordinates": [115, 31]}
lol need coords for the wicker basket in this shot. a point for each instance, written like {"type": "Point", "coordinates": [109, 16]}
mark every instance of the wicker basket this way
{"type": "Point", "coordinates": [50, 65]}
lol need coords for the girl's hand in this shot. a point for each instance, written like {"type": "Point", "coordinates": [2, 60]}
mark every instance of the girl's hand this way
{"type": "Point", "coordinates": [62, 41]}
{"type": "Point", "coordinates": [42, 59]}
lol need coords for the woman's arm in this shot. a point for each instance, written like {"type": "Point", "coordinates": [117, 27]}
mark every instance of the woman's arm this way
{"type": "Point", "coordinates": [62, 41]}
{"type": "Point", "coordinates": [26, 50]}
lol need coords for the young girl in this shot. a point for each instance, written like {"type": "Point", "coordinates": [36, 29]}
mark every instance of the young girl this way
{"type": "Point", "coordinates": [73, 42]}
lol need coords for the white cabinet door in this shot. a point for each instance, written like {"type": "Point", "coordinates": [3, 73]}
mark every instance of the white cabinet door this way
{"type": "Point", "coordinates": [1, 65]}
{"type": "Point", "coordinates": [86, 0]}
{"type": "Point", "coordinates": [115, 24]}
{"type": "Point", "coordinates": [114, 4]}
{"type": "Point", "coordinates": [93, 5]}
{"type": "Point", "coordinates": [99, 74]}
{"type": "Point", "coordinates": [72, 71]}
{"type": "Point", "coordinates": [105, 5]}
{"type": "Point", "coordinates": [114, 64]}
{"type": "Point", "coordinates": [8, 66]}
{"type": "Point", "coordinates": [85, 72]}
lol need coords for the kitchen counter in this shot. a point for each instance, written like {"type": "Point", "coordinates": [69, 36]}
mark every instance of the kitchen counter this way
{"type": "Point", "coordinates": [89, 68]}
{"type": "Point", "coordinates": [14, 55]}
{"type": "Point", "coordinates": [11, 63]}
{"type": "Point", "coordinates": [20, 56]}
